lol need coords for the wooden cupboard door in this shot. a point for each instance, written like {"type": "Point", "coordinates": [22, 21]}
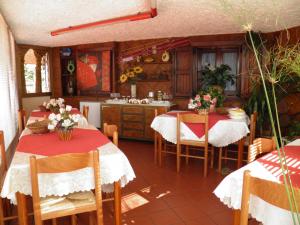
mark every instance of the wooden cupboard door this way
{"type": "Point", "coordinates": [111, 115]}
{"type": "Point", "coordinates": [182, 73]}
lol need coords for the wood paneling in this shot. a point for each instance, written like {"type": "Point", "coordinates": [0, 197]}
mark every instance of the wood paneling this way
{"type": "Point", "coordinates": [182, 75]}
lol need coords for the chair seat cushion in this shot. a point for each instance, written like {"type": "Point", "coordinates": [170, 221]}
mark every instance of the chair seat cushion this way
{"type": "Point", "coordinates": [58, 205]}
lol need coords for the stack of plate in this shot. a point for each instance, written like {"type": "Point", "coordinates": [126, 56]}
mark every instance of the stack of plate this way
{"type": "Point", "coordinates": [237, 113]}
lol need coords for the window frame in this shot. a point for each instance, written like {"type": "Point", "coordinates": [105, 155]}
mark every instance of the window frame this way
{"type": "Point", "coordinates": [22, 50]}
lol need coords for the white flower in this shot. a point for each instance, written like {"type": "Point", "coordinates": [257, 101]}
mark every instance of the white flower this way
{"type": "Point", "coordinates": [247, 27]}
{"type": "Point", "coordinates": [45, 104]}
{"type": "Point", "coordinates": [48, 106]}
{"type": "Point", "coordinates": [75, 117]}
{"type": "Point", "coordinates": [58, 117]}
{"type": "Point", "coordinates": [68, 108]}
{"type": "Point", "coordinates": [51, 126]}
{"type": "Point", "coordinates": [61, 110]}
{"type": "Point", "coordinates": [67, 123]}
{"type": "Point", "coordinates": [52, 101]}
{"type": "Point", "coordinates": [54, 104]}
{"type": "Point", "coordinates": [52, 116]}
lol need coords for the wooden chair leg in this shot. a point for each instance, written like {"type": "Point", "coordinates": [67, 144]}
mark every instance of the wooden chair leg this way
{"type": "Point", "coordinates": [73, 220]}
{"type": "Point", "coordinates": [159, 147]}
{"type": "Point", "coordinates": [220, 160]}
{"type": "Point", "coordinates": [155, 147]}
{"type": "Point", "coordinates": [91, 218]}
{"type": "Point", "coordinates": [212, 156]}
{"type": "Point", "coordinates": [205, 161]}
{"type": "Point", "coordinates": [178, 154]}
{"type": "Point", "coordinates": [187, 152]}
{"type": "Point", "coordinates": [1, 212]}
{"type": "Point", "coordinates": [225, 154]}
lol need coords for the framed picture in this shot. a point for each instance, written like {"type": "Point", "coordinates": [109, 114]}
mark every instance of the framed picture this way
{"type": "Point", "coordinates": [93, 71]}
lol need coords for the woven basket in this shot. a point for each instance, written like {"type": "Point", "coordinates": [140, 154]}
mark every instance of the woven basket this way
{"type": "Point", "coordinates": [39, 127]}
{"type": "Point", "coordinates": [65, 135]}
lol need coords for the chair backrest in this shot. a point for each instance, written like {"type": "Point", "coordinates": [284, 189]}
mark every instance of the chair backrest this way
{"type": "Point", "coordinates": [111, 131]}
{"type": "Point", "coordinates": [271, 192]}
{"type": "Point", "coordinates": [85, 111]}
{"type": "Point", "coordinates": [253, 119]}
{"type": "Point", "coordinates": [260, 146]}
{"type": "Point", "coordinates": [192, 118]}
{"type": "Point", "coordinates": [61, 164]}
{"type": "Point", "coordinates": [21, 120]}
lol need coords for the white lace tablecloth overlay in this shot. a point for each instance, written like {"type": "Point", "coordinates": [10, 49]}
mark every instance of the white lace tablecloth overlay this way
{"type": "Point", "coordinates": [114, 166]}
{"type": "Point", "coordinates": [229, 191]}
{"type": "Point", "coordinates": [223, 133]}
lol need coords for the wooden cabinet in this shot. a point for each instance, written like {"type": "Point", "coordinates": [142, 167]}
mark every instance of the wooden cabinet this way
{"type": "Point", "coordinates": [182, 74]}
{"type": "Point", "coordinates": [133, 121]}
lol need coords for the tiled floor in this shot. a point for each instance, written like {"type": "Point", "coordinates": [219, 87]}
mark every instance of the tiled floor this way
{"type": "Point", "coordinates": [160, 196]}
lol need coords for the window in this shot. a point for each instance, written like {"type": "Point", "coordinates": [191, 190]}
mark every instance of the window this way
{"type": "Point", "coordinates": [35, 71]}
{"type": "Point", "coordinates": [8, 84]}
{"type": "Point", "coordinates": [216, 57]}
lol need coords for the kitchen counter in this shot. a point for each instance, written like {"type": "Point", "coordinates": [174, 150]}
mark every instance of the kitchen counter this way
{"type": "Point", "coordinates": [133, 120]}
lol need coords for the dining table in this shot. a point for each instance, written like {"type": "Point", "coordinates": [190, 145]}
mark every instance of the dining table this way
{"type": "Point", "coordinates": [115, 168]}
{"type": "Point", "coordinates": [222, 132]}
{"type": "Point", "coordinates": [229, 191]}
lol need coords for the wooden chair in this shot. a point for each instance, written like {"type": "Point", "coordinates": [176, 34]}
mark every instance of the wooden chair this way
{"type": "Point", "coordinates": [85, 112]}
{"type": "Point", "coordinates": [5, 209]}
{"type": "Point", "coordinates": [112, 132]}
{"type": "Point", "coordinates": [193, 118]}
{"type": "Point", "coordinates": [259, 147]}
{"type": "Point", "coordinates": [248, 141]}
{"type": "Point", "coordinates": [21, 120]}
{"type": "Point", "coordinates": [271, 192]}
{"type": "Point", "coordinates": [45, 209]}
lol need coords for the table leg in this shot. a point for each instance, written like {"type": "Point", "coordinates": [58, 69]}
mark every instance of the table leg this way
{"type": "Point", "coordinates": [240, 152]}
{"type": "Point", "coordinates": [22, 209]}
{"type": "Point", "coordinates": [117, 193]}
{"type": "Point", "coordinates": [155, 147]}
{"type": "Point", "coordinates": [159, 149]}
{"type": "Point", "coordinates": [236, 216]}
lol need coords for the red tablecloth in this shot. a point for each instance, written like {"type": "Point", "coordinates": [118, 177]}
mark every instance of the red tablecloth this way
{"type": "Point", "coordinates": [42, 114]}
{"type": "Point", "coordinates": [83, 140]}
{"type": "Point", "coordinates": [271, 163]}
{"type": "Point", "coordinates": [199, 129]}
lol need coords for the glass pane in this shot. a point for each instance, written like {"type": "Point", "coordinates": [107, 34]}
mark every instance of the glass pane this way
{"type": "Point", "coordinates": [230, 58]}
{"type": "Point", "coordinates": [29, 71]}
{"type": "Point", "coordinates": [208, 59]}
{"type": "Point", "coordinates": [45, 73]}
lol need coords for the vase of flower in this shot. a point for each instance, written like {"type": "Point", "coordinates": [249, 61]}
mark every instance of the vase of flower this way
{"type": "Point", "coordinates": [65, 135]}
{"type": "Point", "coordinates": [63, 123]}
{"type": "Point", "coordinates": [202, 111]}
{"type": "Point", "coordinates": [201, 103]}
{"type": "Point", "coordinates": [54, 105]}
{"type": "Point", "coordinates": [133, 90]}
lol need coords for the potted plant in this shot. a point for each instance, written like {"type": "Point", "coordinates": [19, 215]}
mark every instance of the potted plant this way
{"type": "Point", "coordinates": [217, 76]}
{"type": "Point", "coordinates": [63, 123]}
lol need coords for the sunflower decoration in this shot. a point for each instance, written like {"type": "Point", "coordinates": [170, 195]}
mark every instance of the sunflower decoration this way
{"type": "Point", "coordinates": [131, 75]}
{"type": "Point", "coordinates": [123, 78]}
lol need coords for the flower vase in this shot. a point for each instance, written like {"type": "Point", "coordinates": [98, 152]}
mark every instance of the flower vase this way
{"type": "Point", "coordinates": [65, 135]}
{"type": "Point", "coordinates": [133, 90]}
{"type": "Point", "coordinates": [202, 111]}
{"type": "Point", "coordinates": [212, 108]}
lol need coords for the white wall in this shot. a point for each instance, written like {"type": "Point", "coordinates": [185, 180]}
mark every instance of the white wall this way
{"type": "Point", "coordinates": [31, 103]}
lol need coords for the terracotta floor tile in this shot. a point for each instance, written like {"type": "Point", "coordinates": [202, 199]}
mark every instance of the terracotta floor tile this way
{"type": "Point", "coordinates": [165, 217]}
{"type": "Point", "coordinates": [183, 198]}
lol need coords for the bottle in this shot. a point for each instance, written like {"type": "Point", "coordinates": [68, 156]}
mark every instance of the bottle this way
{"type": "Point", "coordinates": [159, 96]}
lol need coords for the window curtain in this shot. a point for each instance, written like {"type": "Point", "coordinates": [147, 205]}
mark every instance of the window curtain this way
{"type": "Point", "coordinates": [8, 84]}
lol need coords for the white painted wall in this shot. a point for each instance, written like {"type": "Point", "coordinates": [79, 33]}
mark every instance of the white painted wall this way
{"type": "Point", "coordinates": [31, 103]}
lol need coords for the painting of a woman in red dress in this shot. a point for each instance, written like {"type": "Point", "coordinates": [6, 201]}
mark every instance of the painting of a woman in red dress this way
{"type": "Point", "coordinates": [93, 72]}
